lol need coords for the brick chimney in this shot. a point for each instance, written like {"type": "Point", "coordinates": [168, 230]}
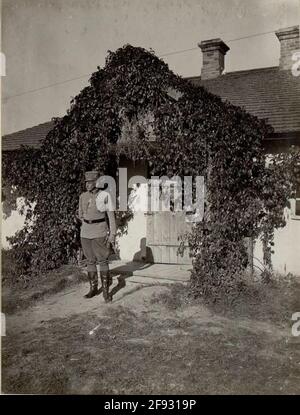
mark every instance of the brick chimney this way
{"type": "Point", "coordinates": [289, 43]}
{"type": "Point", "coordinates": [213, 51]}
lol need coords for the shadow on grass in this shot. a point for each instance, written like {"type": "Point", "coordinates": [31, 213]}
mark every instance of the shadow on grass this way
{"type": "Point", "coordinates": [275, 301]}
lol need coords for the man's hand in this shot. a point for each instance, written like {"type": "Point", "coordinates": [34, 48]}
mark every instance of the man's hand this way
{"type": "Point", "coordinates": [110, 240]}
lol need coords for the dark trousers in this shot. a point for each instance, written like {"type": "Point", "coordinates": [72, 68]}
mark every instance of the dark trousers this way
{"type": "Point", "coordinates": [96, 252]}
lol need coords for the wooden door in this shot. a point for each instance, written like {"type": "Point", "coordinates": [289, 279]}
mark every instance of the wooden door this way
{"type": "Point", "coordinates": [163, 232]}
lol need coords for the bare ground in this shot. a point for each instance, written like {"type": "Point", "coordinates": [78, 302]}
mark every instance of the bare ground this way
{"type": "Point", "coordinates": [153, 340]}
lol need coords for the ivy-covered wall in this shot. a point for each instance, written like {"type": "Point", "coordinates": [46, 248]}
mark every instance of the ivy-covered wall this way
{"type": "Point", "coordinates": [134, 98]}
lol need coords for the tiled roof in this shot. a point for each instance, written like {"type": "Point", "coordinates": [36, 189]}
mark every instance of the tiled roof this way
{"type": "Point", "coordinates": [266, 93]}
{"type": "Point", "coordinates": [30, 137]}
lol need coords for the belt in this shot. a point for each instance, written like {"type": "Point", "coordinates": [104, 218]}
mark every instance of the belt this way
{"type": "Point", "coordinates": [94, 220]}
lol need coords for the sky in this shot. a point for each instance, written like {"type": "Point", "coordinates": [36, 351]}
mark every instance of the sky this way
{"type": "Point", "coordinates": [48, 42]}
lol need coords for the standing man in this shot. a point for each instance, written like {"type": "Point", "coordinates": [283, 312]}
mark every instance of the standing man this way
{"type": "Point", "coordinates": [95, 233]}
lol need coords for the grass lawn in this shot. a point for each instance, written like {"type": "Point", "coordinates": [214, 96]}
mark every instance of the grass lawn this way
{"type": "Point", "coordinates": [153, 340]}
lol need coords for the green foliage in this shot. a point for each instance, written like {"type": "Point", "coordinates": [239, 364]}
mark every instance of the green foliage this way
{"type": "Point", "coordinates": [127, 104]}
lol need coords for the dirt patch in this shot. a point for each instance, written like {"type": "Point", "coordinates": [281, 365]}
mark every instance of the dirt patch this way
{"type": "Point", "coordinates": [143, 344]}
{"type": "Point", "coordinates": [21, 294]}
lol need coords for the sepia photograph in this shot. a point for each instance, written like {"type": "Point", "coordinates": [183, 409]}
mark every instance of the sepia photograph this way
{"type": "Point", "coordinates": [150, 194]}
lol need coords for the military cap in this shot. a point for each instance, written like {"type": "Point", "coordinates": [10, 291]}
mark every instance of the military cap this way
{"type": "Point", "coordinates": [91, 175]}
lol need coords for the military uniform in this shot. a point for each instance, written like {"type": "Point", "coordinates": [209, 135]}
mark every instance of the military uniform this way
{"type": "Point", "coordinates": [95, 207]}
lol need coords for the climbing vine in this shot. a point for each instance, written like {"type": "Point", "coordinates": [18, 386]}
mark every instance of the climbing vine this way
{"type": "Point", "coordinates": [136, 106]}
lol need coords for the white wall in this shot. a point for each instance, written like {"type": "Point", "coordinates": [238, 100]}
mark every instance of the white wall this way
{"type": "Point", "coordinates": [130, 244]}
{"type": "Point", "coordinates": [286, 257]}
{"type": "Point", "coordinates": [12, 224]}
{"type": "Point", "coordinates": [134, 241]}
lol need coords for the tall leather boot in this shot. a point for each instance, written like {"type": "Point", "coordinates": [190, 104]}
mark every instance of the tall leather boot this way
{"type": "Point", "coordinates": [105, 279]}
{"type": "Point", "coordinates": [93, 280]}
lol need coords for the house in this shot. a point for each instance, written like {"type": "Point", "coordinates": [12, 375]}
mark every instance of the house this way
{"type": "Point", "coordinates": [269, 93]}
